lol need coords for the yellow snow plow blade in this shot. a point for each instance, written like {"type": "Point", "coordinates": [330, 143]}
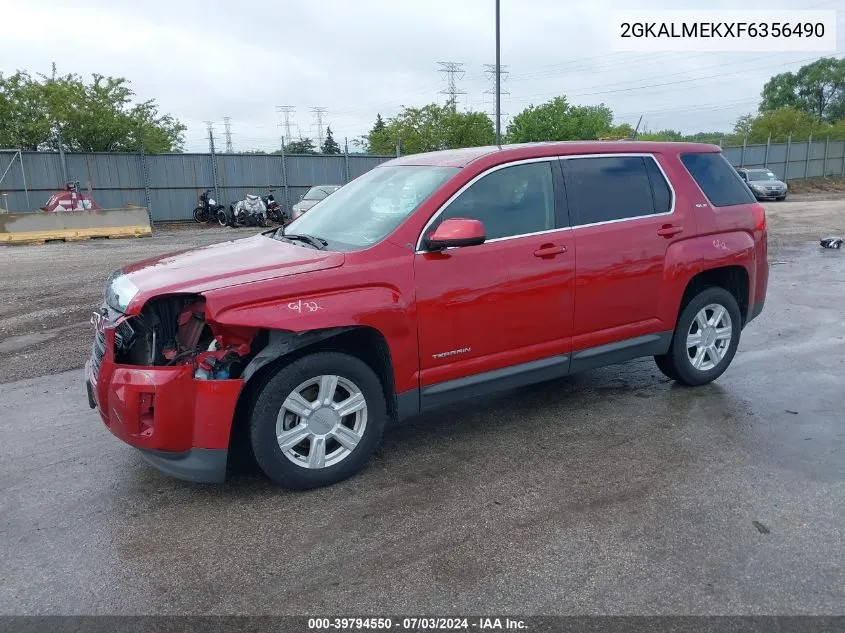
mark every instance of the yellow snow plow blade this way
{"type": "Point", "coordinates": [69, 226]}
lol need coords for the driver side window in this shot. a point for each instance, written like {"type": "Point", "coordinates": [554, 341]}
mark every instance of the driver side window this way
{"type": "Point", "coordinates": [511, 201]}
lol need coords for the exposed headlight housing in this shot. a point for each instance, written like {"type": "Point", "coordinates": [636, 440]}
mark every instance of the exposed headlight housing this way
{"type": "Point", "coordinates": [120, 291]}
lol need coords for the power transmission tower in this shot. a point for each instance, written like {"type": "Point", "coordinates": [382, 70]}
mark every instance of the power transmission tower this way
{"type": "Point", "coordinates": [490, 69]}
{"type": "Point", "coordinates": [319, 112]}
{"type": "Point", "coordinates": [452, 71]}
{"type": "Point", "coordinates": [286, 111]}
{"type": "Point", "coordinates": [228, 132]}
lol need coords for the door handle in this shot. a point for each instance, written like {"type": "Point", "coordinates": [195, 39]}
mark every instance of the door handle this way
{"type": "Point", "coordinates": [667, 230]}
{"type": "Point", "coordinates": [549, 250]}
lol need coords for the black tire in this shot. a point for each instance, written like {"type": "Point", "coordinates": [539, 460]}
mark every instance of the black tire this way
{"type": "Point", "coordinates": [276, 389]}
{"type": "Point", "coordinates": [676, 363]}
{"type": "Point", "coordinates": [222, 218]}
{"type": "Point", "coordinates": [200, 216]}
{"type": "Point", "coordinates": [781, 199]}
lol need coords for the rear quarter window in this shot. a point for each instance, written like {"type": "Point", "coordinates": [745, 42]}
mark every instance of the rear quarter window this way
{"type": "Point", "coordinates": [719, 181]}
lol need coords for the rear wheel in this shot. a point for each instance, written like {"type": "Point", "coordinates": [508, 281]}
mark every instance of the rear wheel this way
{"type": "Point", "coordinates": [222, 218]}
{"type": "Point", "coordinates": [200, 216]}
{"type": "Point", "coordinates": [317, 420]}
{"type": "Point", "coordinates": [705, 338]}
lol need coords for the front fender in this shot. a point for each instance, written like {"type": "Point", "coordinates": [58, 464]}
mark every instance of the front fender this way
{"type": "Point", "coordinates": [379, 307]}
{"type": "Point", "coordinates": [687, 258]}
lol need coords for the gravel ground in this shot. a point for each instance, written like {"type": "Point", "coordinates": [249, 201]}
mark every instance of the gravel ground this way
{"type": "Point", "coordinates": [47, 292]}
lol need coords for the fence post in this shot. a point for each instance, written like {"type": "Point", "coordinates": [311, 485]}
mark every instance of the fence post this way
{"type": "Point", "coordinates": [23, 177]}
{"type": "Point", "coordinates": [146, 176]}
{"type": "Point", "coordinates": [397, 149]}
{"type": "Point", "coordinates": [843, 160]}
{"type": "Point", "coordinates": [742, 159]}
{"type": "Point", "coordinates": [807, 160]}
{"type": "Point", "coordinates": [285, 178]}
{"type": "Point", "coordinates": [786, 161]}
{"type": "Point", "coordinates": [62, 156]}
{"type": "Point", "coordinates": [768, 144]}
{"type": "Point", "coordinates": [826, 147]}
{"type": "Point", "coordinates": [346, 160]}
{"type": "Point", "coordinates": [213, 165]}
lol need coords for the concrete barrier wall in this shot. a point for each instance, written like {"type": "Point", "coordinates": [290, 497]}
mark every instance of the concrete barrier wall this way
{"type": "Point", "coordinates": [28, 228]}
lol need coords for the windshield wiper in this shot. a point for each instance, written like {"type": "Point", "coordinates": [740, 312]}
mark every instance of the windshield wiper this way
{"type": "Point", "coordinates": [316, 242]}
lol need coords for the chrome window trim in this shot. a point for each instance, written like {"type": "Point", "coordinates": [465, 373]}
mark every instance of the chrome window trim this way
{"type": "Point", "coordinates": [476, 178]}
{"type": "Point", "coordinates": [419, 250]}
{"type": "Point", "coordinates": [671, 210]}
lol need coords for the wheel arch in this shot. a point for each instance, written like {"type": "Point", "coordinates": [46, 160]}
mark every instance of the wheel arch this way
{"type": "Point", "coordinates": [279, 347]}
{"type": "Point", "coordinates": [734, 278]}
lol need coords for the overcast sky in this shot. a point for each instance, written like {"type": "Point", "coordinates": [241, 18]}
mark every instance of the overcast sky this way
{"type": "Point", "coordinates": [206, 60]}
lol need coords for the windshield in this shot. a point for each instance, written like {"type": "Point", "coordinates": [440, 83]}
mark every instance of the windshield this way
{"type": "Point", "coordinates": [315, 194]}
{"type": "Point", "coordinates": [370, 207]}
{"type": "Point", "coordinates": [761, 175]}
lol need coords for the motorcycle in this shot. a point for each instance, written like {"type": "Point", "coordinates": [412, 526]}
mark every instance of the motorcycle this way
{"type": "Point", "coordinates": [251, 211]}
{"type": "Point", "coordinates": [207, 209]}
{"type": "Point", "coordinates": [274, 209]}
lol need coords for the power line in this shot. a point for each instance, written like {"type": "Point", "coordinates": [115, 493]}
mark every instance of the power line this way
{"type": "Point", "coordinates": [228, 132]}
{"type": "Point", "coordinates": [451, 71]}
{"type": "Point", "coordinates": [286, 111]}
{"type": "Point", "coordinates": [319, 112]}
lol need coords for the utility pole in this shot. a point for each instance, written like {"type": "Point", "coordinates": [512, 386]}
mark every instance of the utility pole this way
{"type": "Point", "coordinates": [286, 111]}
{"type": "Point", "coordinates": [498, 81]}
{"type": "Point", "coordinates": [319, 112]}
{"type": "Point", "coordinates": [452, 71]}
{"type": "Point", "coordinates": [228, 132]}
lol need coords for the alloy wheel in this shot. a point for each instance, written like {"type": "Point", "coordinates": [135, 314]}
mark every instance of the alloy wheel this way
{"type": "Point", "coordinates": [709, 337]}
{"type": "Point", "coordinates": [321, 421]}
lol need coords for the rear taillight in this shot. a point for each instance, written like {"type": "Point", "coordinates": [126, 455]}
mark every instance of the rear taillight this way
{"type": "Point", "coordinates": [759, 213]}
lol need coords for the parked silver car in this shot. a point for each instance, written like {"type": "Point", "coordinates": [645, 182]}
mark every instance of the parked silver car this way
{"type": "Point", "coordinates": [763, 184]}
{"type": "Point", "coordinates": [312, 197]}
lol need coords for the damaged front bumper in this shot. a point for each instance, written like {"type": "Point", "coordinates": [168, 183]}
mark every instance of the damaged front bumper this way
{"type": "Point", "coordinates": [180, 424]}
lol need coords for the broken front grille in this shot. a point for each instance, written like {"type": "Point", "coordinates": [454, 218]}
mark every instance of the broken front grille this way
{"type": "Point", "coordinates": [99, 351]}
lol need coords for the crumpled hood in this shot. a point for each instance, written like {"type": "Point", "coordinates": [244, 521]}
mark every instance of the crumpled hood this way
{"type": "Point", "coordinates": [225, 264]}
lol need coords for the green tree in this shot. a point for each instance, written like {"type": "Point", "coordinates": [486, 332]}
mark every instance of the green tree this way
{"type": "Point", "coordinates": [743, 125]}
{"type": "Point", "coordinates": [660, 135]}
{"type": "Point", "coordinates": [432, 127]}
{"type": "Point", "coordinates": [378, 139]}
{"type": "Point", "coordinates": [330, 146]}
{"type": "Point", "coordinates": [557, 120]}
{"type": "Point", "coordinates": [467, 129]}
{"type": "Point", "coordinates": [618, 133]}
{"type": "Point", "coordinates": [96, 116]}
{"type": "Point", "coordinates": [779, 123]}
{"type": "Point", "coordinates": [302, 146]}
{"type": "Point", "coordinates": [817, 89]}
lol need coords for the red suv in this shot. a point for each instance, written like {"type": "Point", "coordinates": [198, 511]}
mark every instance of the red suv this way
{"type": "Point", "coordinates": [429, 279]}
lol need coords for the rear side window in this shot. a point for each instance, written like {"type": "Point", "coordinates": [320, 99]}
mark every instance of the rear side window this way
{"type": "Point", "coordinates": [659, 187]}
{"type": "Point", "coordinates": [717, 179]}
{"type": "Point", "coordinates": [609, 188]}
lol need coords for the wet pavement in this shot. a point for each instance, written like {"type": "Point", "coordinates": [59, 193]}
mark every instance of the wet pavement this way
{"type": "Point", "coordinates": [613, 491]}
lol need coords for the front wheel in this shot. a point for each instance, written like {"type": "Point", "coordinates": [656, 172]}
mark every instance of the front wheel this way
{"type": "Point", "coordinates": [200, 215]}
{"type": "Point", "coordinates": [781, 199]}
{"type": "Point", "coordinates": [705, 338]}
{"type": "Point", "coordinates": [222, 218]}
{"type": "Point", "coordinates": [317, 420]}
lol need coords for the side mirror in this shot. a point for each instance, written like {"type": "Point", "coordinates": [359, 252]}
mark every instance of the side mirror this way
{"type": "Point", "coordinates": [456, 232]}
